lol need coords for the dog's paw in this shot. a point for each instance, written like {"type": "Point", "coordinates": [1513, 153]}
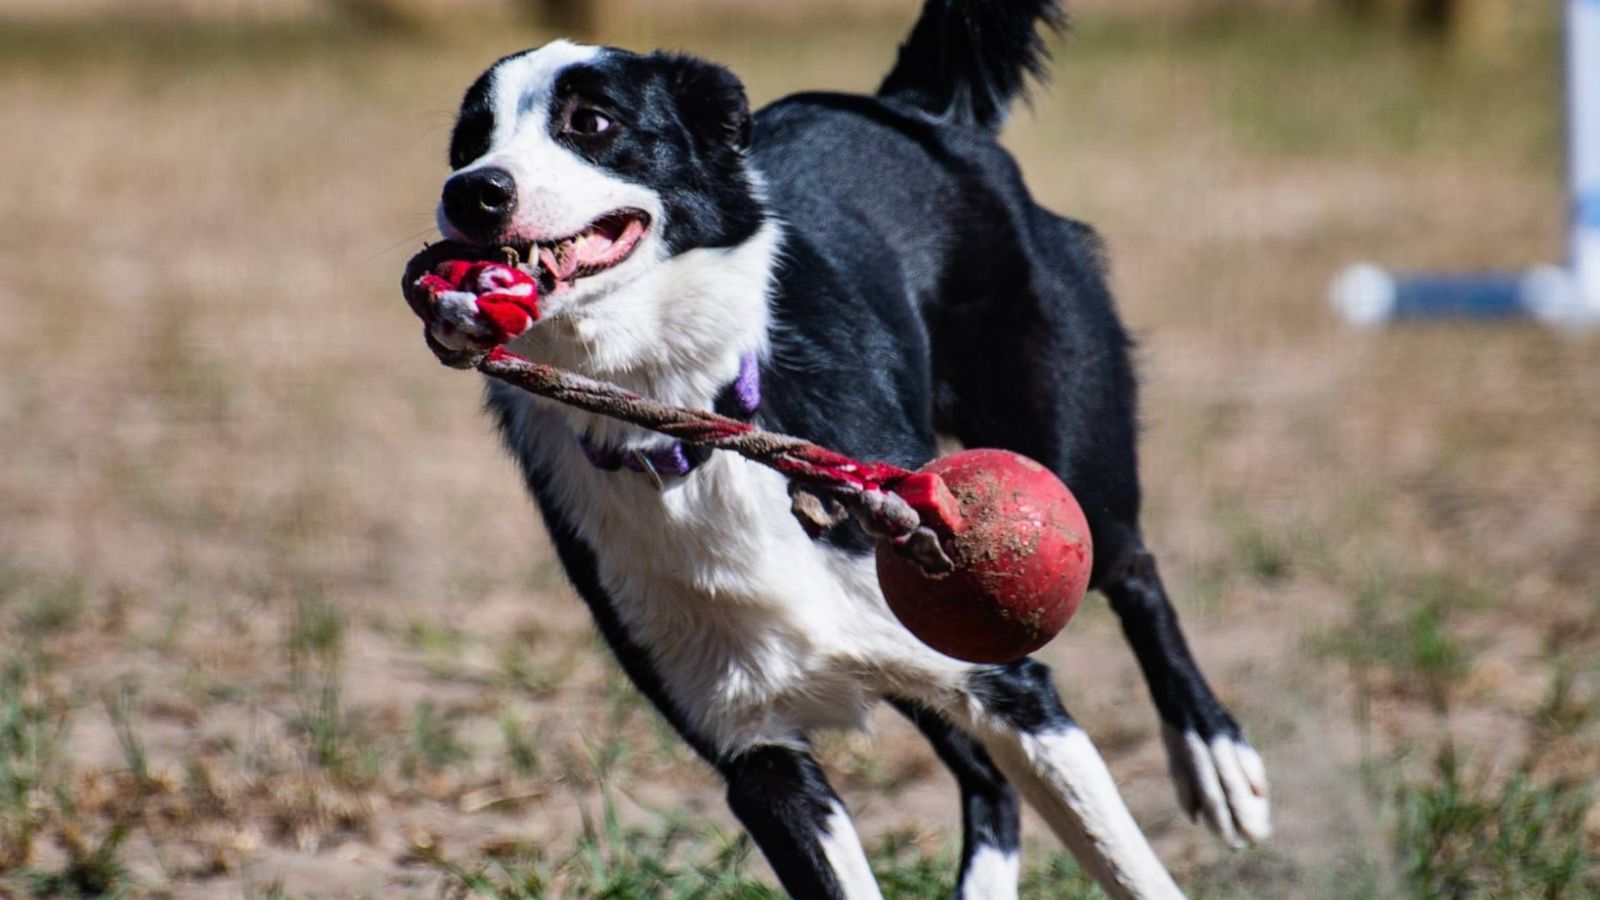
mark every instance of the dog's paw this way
{"type": "Point", "coordinates": [1223, 781]}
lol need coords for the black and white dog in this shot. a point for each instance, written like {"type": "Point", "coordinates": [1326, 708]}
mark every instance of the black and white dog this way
{"type": "Point", "coordinates": [865, 272]}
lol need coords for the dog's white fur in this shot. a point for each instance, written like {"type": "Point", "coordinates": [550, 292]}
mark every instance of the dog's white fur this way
{"type": "Point", "coordinates": [1223, 782]}
{"type": "Point", "coordinates": [992, 874]}
{"type": "Point", "coordinates": [558, 193]}
{"type": "Point", "coordinates": [759, 633]}
{"type": "Point", "coordinates": [843, 850]}
{"type": "Point", "coordinates": [1063, 777]}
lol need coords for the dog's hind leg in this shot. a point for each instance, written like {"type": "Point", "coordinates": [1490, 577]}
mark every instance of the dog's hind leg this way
{"type": "Point", "coordinates": [1217, 773]}
{"type": "Point", "coordinates": [990, 817]}
{"type": "Point", "coordinates": [783, 799]}
{"type": "Point", "coordinates": [1017, 714]}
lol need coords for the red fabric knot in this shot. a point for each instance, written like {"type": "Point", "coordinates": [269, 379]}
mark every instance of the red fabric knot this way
{"type": "Point", "coordinates": [506, 297]}
{"type": "Point", "coordinates": [500, 353]}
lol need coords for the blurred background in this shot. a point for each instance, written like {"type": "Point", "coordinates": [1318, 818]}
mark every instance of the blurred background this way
{"type": "Point", "coordinates": [276, 620]}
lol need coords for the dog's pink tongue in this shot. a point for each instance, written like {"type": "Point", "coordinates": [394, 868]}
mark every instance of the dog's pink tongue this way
{"type": "Point", "coordinates": [597, 248]}
{"type": "Point", "coordinates": [591, 248]}
{"type": "Point", "coordinates": [560, 265]}
{"type": "Point", "coordinates": [609, 240]}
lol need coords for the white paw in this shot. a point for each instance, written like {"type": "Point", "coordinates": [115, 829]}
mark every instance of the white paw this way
{"type": "Point", "coordinates": [1222, 781]}
{"type": "Point", "coordinates": [991, 875]}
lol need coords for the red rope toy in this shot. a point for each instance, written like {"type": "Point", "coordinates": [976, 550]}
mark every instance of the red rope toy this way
{"type": "Point", "coordinates": [988, 572]}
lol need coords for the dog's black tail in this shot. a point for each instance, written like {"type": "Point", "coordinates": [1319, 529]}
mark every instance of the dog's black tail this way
{"type": "Point", "coordinates": [966, 60]}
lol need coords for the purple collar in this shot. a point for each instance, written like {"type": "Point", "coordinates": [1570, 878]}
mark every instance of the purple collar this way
{"type": "Point", "coordinates": [739, 399]}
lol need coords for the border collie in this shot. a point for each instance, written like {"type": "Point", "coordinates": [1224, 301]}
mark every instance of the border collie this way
{"type": "Point", "coordinates": [866, 272]}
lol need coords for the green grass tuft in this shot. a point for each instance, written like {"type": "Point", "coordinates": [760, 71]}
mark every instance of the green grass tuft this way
{"type": "Point", "coordinates": [669, 860]}
{"type": "Point", "coordinates": [52, 608]}
{"type": "Point", "coordinates": [1406, 635]}
{"type": "Point", "coordinates": [903, 870]}
{"type": "Point", "coordinates": [122, 706]}
{"type": "Point", "coordinates": [90, 871]}
{"type": "Point", "coordinates": [520, 751]}
{"type": "Point", "coordinates": [434, 746]}
{"type": "Point", "coordinates": [1461, 836]}
{"type": "Point", "coordinates": [1263, 553]}
{"type": "Point", "coordinates": [32, 737]}
{"type": "Point", "coordinates": [315, 646]}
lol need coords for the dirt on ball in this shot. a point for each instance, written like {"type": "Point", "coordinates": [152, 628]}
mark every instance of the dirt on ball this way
{"type": "Point", "coordinates": [1022, 557]}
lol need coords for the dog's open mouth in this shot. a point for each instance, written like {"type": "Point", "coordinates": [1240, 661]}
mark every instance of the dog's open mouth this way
{"type": "Point", "coordinates": [606, 243]}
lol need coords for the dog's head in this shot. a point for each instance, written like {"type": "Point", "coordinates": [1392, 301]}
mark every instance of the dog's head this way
{"type": "Point", "coordinates": [605, 164]}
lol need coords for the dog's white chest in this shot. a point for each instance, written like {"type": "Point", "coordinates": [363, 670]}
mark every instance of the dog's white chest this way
{"type": "Point", "coordinates": [759, 632]}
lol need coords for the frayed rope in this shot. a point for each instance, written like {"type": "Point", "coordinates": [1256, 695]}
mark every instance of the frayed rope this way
{"type": "Point", "coordinates": [831, 485]}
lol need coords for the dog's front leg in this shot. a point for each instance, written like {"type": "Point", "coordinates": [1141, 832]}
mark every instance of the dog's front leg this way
{"type": "Point", "coordinates": [783, 799]}
{"type": "Point", "coordinates": [991, 820]}
{"type": "Point", "coordinates": [1020, 720]}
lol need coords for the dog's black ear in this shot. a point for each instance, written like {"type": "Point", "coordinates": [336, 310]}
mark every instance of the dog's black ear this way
{"type": "Point", "coordinates": [712, 102]}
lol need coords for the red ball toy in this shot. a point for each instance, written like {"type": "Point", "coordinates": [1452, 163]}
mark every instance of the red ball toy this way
{"type": "Point", "coordinates": [1022, 555]}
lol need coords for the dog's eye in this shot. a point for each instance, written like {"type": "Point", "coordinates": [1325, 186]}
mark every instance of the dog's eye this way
{"type": "Point", "coordinates": [588, 121]}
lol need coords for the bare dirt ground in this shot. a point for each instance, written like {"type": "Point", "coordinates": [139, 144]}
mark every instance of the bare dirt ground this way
{"type": "Point", "coordinates": [275, 618]}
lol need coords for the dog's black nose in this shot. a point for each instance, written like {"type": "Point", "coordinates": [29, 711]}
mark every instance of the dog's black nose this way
{"type": "Point", "coordinates": [480, 202]}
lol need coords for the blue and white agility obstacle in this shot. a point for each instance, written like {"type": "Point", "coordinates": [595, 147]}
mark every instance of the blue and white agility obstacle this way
{"type": "Point", "coordinates": [1366, 295]}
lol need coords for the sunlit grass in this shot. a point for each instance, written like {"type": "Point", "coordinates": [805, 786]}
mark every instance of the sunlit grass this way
{"type": "Point", "coordinates": [1463, 834]}
{"type": "Point", "coordinates": [32, 737]}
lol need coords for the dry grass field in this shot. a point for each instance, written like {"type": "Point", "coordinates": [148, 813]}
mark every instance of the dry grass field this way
{"type": "Point", "coordinates": [275, 618]}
